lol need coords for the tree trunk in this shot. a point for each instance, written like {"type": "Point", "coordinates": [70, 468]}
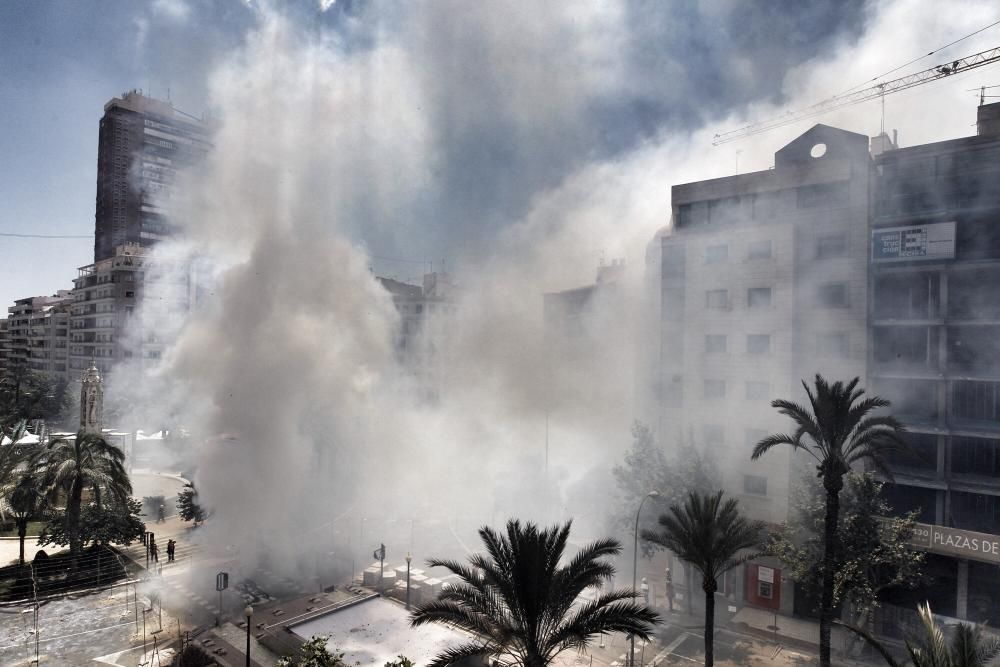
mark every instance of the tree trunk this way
{"type": "Point", "coordinates": [22, 530]}
{"type": "Point", "coordinates": [73, 517]}
{"type": "Point", "coordinates": [709, 585]}
{"type": "Point", "coordinates": [833, 487]}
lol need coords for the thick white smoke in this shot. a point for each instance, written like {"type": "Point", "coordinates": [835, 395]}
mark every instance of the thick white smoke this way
{"type": "Point", "coordinates": [288, 372]}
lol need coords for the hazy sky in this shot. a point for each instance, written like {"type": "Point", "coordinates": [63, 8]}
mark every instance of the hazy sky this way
{"type": "Point", "coordinates": [668, 66]}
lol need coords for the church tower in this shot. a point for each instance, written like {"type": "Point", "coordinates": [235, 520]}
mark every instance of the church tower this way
{"type": "Point", "coordinates": [91, 401]}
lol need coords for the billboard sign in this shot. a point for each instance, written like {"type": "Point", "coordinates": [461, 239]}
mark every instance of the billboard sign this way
{"type": "Point", "coordinates": [955, 542]}
{"type": "Point", "coordinates": [914, 243]}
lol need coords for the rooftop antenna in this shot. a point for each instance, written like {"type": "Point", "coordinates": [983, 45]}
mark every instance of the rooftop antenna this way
{"type": "Point", "coordinates": [881, 128]}
{"type": "Point", "coordinates": [982, 93]}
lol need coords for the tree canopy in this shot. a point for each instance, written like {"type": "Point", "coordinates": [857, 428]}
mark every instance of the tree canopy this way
{"type": "Point", "coordinates": [647, 468]}
{"type": "Point", "coordinates": [523, 605]}
{"type": "Point", "coordinates": [875, 551]}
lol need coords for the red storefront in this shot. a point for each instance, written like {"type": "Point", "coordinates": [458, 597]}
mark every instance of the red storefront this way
{"type": "Point", "coordinates": [763, 586]}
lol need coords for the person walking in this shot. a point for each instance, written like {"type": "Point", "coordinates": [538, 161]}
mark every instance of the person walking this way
{"type": "Point", "coordinates": [161, 516]}
{"type": "Point", "coordinates": [154, 551]}
{"type": "Point", "coordinates": [171, 546]}
{"type": "Point", "coordinates": [670, 591]}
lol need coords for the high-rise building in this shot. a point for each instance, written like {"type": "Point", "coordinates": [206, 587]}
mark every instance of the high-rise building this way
{"type": "Point", "coordinates": [935, 353]}
{"type": "Point", "coordinates": [142, 144]}
{"type": "Point", "coordinates": [763, 283]}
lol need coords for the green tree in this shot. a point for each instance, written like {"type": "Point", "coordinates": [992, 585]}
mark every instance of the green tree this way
{"type": "Point", "coordinates": [67, 467]}
{"type": "Point", "coordinates": [400, 661]}
{"type": "Point", "coordinates": [709, 534]}
{"type": "Point", "coordinates": [187, 505]}
{"type": "Point", "coordinates": [646, 468]}
{"type": "Point", "coordinates": [314, 653]}
{"type": "Point", "coordinates": [838, 431]}
{"type": "Point", "coordinates": [23, 500]}
{"type": "Point", "coordinates": [968, 646]}
{"type": "Point", "coordinates": [875, 550]}
{"type": "Point", "coordinates": [522, 604]}
{"type": "Point", "coordinates": [28, 395]}
{"type": "Point", "coordinates": [111, 522]}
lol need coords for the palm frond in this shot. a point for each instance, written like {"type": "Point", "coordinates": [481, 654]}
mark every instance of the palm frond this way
{"type": "Point", "coordinates": [458, 654]}
{"type": "Point", "coordinates": [871, 641]}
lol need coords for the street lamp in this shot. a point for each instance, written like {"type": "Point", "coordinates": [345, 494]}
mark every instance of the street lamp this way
{"type": "Point", "coordinates": [248, 612]}
{"type": "Point", "coordinates": [635, 567]}
{"type": "Point", "coordinates": [408, 579]}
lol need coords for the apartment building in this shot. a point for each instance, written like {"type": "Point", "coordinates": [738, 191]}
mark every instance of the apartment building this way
{"type": "Point", "coordinates": [4, 344]}
{"type": "Point", "coordinates": [37, 333]}
{"type": "Point", "coordinates": [763, 284]}
{"type": "Point", "coordinates": [935, 353]}
{"type": "Point", "coordinates": [142, 144]}
{"type": "Point", "coordinates": [105, 298]}
{"type": "Point", "coordinates": [424, 318]}
{"type": "Point", "coordinates": [128, 309]}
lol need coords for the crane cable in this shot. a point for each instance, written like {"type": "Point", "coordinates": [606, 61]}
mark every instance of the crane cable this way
{"type": "Point", "coordinates": [930, 53]}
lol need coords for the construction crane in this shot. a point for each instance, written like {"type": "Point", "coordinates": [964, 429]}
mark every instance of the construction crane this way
{"type": "Point", "coordinates": [879, 90]}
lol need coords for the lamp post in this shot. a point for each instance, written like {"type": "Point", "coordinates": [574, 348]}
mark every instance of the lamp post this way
{"type": "Point", "coordinates": [144, 612]}
{"type": "Point", "coordinates": [635, 567]}
{"type": "Point", "coordinates": [408, 579]}
{"type": "Point", "coordinates": [248, 612]}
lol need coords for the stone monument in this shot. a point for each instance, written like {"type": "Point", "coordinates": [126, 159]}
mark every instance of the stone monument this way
{"type": "Point", "coordinates": [91, 401]}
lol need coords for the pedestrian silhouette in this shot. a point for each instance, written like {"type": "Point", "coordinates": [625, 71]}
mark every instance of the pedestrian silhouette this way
{"type": "Point", "coordinates": [161, 517]}
{"type": "Point", "coordinates": [154, 552]}
{"type": "Point", "coordinates": [171, 545]}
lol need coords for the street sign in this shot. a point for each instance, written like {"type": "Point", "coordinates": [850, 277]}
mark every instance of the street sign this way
{"type": "Point", "coordinates": [221, 581]}
{"type": "Point", "coordinates": [379, 553]}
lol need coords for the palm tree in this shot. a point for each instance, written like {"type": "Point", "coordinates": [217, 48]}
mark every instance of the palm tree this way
{"type": "Point", "coordinates": [23, 498]}
{"type": "Point", "coordinates": [70, 466]}
{"type": "Point", "coordinates": [838, 432]}
{"type": "Point", "coordinates": [709, 534]}
{"type": "Point", "coordinates": [524, 605]}
{"type": "Point", "coordinates": [968, 648]}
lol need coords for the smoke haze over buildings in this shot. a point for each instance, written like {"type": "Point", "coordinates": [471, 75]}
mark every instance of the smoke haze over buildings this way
{"type": "Point", "coordinates": [520, 142]}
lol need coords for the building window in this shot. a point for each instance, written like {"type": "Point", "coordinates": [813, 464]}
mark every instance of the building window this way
{"type": "Point", "coordinates": [823, 195]}
{"type": "Point", "coordinates": [758, 297]}
{"type": "Point", "coordinates": [725, 210]}
{"type": "Point", "coordinates": [715, 389]}
{"type": "Point", "coordinates": [759, 250]}
{"type": "Point", "coordinates": [755, 485]}
{"type": "Point", "coordinates": [673, 261]}
{"type": "Point", "coordinates": [715, 343]}
{"type": "Point", "coordinates": [684, 215]}
{"type": "Point", "coordinates": [977, 401]}
{"type": "Point", "coordinates": [758, 344]}
{"type": "Point", "coordinates": [672, 307]}
{"type": "Point", "coordinates": [714, 435]}
{"type": "Point", "coordinates": [758, 391]}
{"type": "Point", "coordinates": [716, 253]}
{"type": "Point", "coordinates": [717, 299]}
{"type": "Point", "coordinates": [833, 295]}
{"type": "Point", "coordinates": [129, 295]}
{"type": "Point", "coordinates": [831, 245]}
{"type": "Point", "coordinates": [833, 345]}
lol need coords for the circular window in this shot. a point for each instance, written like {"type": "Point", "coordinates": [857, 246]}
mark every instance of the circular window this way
{"type": "Point", "coordinates": [819, 150]}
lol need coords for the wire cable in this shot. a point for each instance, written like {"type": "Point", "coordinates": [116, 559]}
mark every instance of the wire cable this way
{"type": "Point", "coordinates": [46, 236]}
{"type": "Point", "coordinates": [929, 53]}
